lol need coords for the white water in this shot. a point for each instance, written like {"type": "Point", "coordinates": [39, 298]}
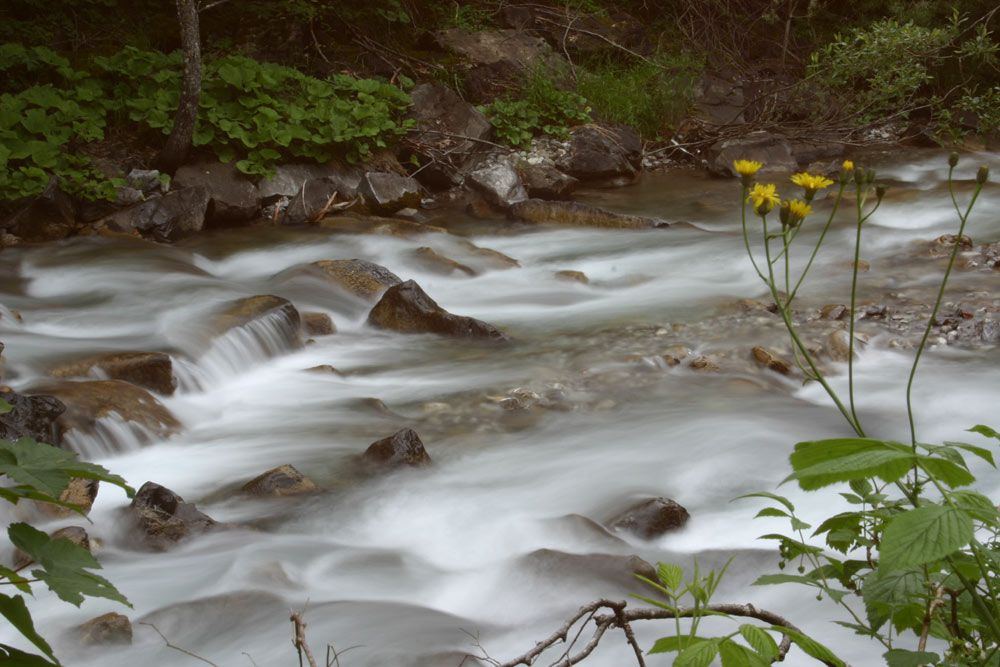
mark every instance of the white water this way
{"type": "Point", "coordinates": [407, 564]}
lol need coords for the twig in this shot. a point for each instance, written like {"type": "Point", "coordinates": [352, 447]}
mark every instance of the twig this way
{"type": "Point", "coordinates": [316, 43]}
{"type": "Point", "coordinates": [337, 654]}
{"type": "Point", "coordinates": [417, 130]}
{"type": "Point", "coordinates": [299, 637]}
{"type": "Point", "coordinates": [177, 648]}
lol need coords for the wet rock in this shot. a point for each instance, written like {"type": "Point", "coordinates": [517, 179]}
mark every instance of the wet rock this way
{"type": "Point", "coordinates": [494, 259]}
{"type": "Point", "coordinates": [173, 216]}
{"type": "Point", "coordinates": [770, 361]}
{"type": "Point", "coordinates": [259, 308]}
{"type": "Point", "coordinates": [834, 311]}
{"type": "Point", "coordinates": [324, 368]}
{"type": "Point", "coordinates": [74, 534]}
{"type": "Point", "coordinates": [80, 492]}
{"type": "Point", "coordinates": [33, 417]}
{"type": "Point", "coordinates": [401, 448]}
{"type": "Point", "coordinates": [499, 184]}
{"type": "Point", "coordinates": [838, 345]}
{"type": "Point", "coordinates": [598, 152]}
{"type": "Point", "coordinates": [483, 83]}
{"type": "Point", "coordinates": [718, 99]}
{"type": "Point", "coordinates": [773, 150]}
{"type": "Point", "coordinates": [612, 569]}
{"type": "Point", "coordinates": [578, 215]}
{"type": "Point", "coordinates": [484, 47]}
{"type": "Point", "coordinates": [650, 518]}
{"type": "Point", "coordinates": [577, 276]}
{"type": "Point", "coordinates": [315, 199]}
{"type": "Point", "coordinates": [431, 260]}
{"type": "Point", "coordinates": [110, 629]}
{"type": "Point", "coordinates": [86, 402]}
{"type": "Point", "coordinates": [281, 481]}
{"type": "Point", "coordinates": [150, 370]}
{"type": "Point", "coordinates": [289, 179]}
{"type": "Point", "coordinates": [233, 198]}
{"type": "Point", "coordinates": [318, 324]}
{"type": "Point", "coordinates": [544, 181]}
{"type": "Point", "coordinates": [385, 193]}
{"type": "Point", "coordinates": [703, 363]}
{"type": "Point", "coordinates": [46, 217]}
{"type": "Point", "coordinates": [359, 277]}
{"type": "Point", "coordinates": [408, 309]}
{"type": "Point", "coordinates": [161, 518]}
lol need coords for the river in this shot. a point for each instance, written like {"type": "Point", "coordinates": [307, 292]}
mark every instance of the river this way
{"type": "Point", "coordinates": [487, 545]}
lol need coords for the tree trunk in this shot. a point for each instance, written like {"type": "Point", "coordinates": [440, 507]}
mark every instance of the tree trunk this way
{"type": "Point", "coordinates": [176, 148]}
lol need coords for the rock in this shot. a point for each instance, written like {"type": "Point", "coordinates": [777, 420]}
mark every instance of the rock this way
{"type": "Point", "coordinates": [162, 518]}
{"type": "Point", "coordinates": [359, 277]}
{"type": "Point", "coordinates": [86, 402]}
{"type": "Point", "coordinates": [171, 217]}
{"type": "Point", "coordinates": [46, 217]}
{"type": "Point", "coordinates": [485, 82]}
{"type": "Point", "coordinates": [499, 184]}
{"type": "Point", "coordinates": [281, 481]}
{"type": "Point", "coordinates": [33, 417]}
{"type": "Point", "coordinates": [773, 150]}
{"type": "Point", "coordinates": [385, 193]}
{"type": "Point", "coordinates": [401, 448]}
{"type": "Point", "coordinates": [233, 198]}
{"type": "Point", "coordinates": [718, 99]}
{"type": "Point", "coordinates": [544, 181]}
{"type": "Point", "coordinates": [147, 181]}
{"type": "Point", "coordinates": [314, 200]}
{"type": "Point", "coordinates": [150, 370]}
{"type": "Point", "coordinates": [432, 261]}
{"type": "Point", "coordinates": [618, 571]}
{"type": "Point", "coordinates": [650, 518]}
{"type": "Point", "coordinates": [770, 361]}
{"type": "Point", "coordinates": [318, 324]}
{"type": "Point", "coordinates": [838, 343]}
{"type": "Point", "coordinates": [579, 215]}
{"type": "Point", "coordinates": [443, 118]}
{"type": "Point", "coordinates": [597, 152]}
{"type": "Point", "coordinates": [493, 46]}
{"type": "Point", "coordinates": [80, 492]}
{"type": "Point", "coordinates": [703, 364]}
{"type": "Point", "coordinates": [259, 309]}
{"type": "Point", "coordinates": [577, 276]}
{"type": "Point", "coordinates": [493, 258]}
{"type": "Point", "coordinates": [407, 308]}
{"type": "Point", "coordinates": [289, 179]}
{"type": "Point", "coordinates": [111, 628]}
{"type": "Point", "coordinates": [833, 311]}
{"type": "Point", "coordinates": [74, 534]}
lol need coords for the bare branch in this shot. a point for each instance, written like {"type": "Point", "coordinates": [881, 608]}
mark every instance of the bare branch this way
{"type": "Point", "coordinates": [299, 637]}
{"type": "Point", "coordinates": [178, 648]}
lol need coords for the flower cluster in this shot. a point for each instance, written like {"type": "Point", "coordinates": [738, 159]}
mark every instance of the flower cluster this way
{"type": "Point", "coordinates": [765, 197]}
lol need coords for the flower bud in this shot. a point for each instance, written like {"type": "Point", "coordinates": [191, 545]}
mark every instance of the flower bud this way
{"type": "Point", "coordinates": [869, 175]}
{"type": "Point", "coordinates": [953, 159]}
{"type": "Point", "coordinates": [784, 214]}
{"type": "Point", "coordinates": [859, 176]}
{"type": "Point", "coordinates": [983, 174]}
{"type": "Point", "coordinates": [880, 191]}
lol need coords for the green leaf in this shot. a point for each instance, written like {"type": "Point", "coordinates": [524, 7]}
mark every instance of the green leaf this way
{"type": "Point", "coordinates": [923, 535]}
{"type": "Point", "coordinates": [898, 657]}
{"type": "Point", "coordinates": [5, 407]}
{"type": "Point", "coordinates": [946, 471]}
{"type": "Point", "coordinates": [887, 595]}
{"type": "Point", "coordinates": [698, 655]}
{"type": "Point", "coordinates": [761, 642]}
{"type": "Point", "coordinates": [16, 612]}
{"type": "Point", "coordinates": [985, 430]}
{"type": "Point", "coordinates": [825, 462]}
{"type": "Point", "coordinates": [735, 655]}
{"type": "Point", "coordinates": [764, 494]}
{"type": "Point", "coordinates": [14, 579]}
{"type": "Point", "coordinates": [675, 643]}
{"type": "Point", "coordinates": [770, 579]}
{"type": "Point", "coordinates": [670, 575]}
{"type": "Point", "coordinates": [977, 506]}
{"type": "Point", "coordinates": [771, 511]}
{"type": "Point", "coordinates": [981, 452]}
{"type": "Point", "coordinates": [16, 658]}
{"type": "Point", "coordinates": [810, 646]}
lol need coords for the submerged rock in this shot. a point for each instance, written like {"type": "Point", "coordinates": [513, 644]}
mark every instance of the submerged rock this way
{"type": "Point", "coordinates": [161, 518]}
{"type": "Point", "coordinates": [407, 308]}
{"type": "Point", "coordinates": [401, 448]}
{"type": "Point", "coordinates": [650, 518]}
{"type": "Point", "coordinates": [318, 324]}
{"type": "Point", "coordinates": [359, 277]}
{"type": "Point", "coordinates": [281, 481]}
{"type": "Point", "coordinates": [433, 261]}
{"type": "Point", "coordinates": [150, 370]}
{"type": "Point", "coordinates": [580, 215]}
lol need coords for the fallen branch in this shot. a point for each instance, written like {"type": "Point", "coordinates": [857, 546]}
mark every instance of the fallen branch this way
{"type": "Point", "coordinates": [177, 648]}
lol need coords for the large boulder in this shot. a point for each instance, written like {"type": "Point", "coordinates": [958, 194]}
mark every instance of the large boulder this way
{"type": "Point", "coordinates": [150, 370]}
{"type": "Point", "coordinates": [407, 308]}
{"type": "Point", "coordinates": [161, 518]}
{"type": "Point", "coordinates": [544, 181]}
{"type": "Point", "coordinates": [578, 215]}
{"type": "Point", "coordinates": [288, 179]}
{"type": "Point", "coordinates": [385, 193]}
{"type": "Point", "coordinates": [87, 402]}
{"type": "Point", "coordinates": [610, 154]}
{"type": "Point", "coordinates": [485, 47]}
{"type": "Point", "coordinates": [48, 216]}
{"type": "Point", "coordinates": [315, 199]}
{"type": "Point", "coordinates": [233, 198]}
{"type": "Point", "coordinates": [650, 518]}
{"type": "Point", "coordinates": [401, 448]}
{"type": "Point", "coordinates": [499, 184]}
{"type": "Point", "coordinates": [433, 261]}
{"type": "Point", "coordinates": [358, 276]}
{"type": "Point", "coordinates": [175, 215]}
{"type": "Point", "coordinates": [33, 417]}
{"type": "Point", "coordinates": [281, 481]}
{"type": "Point", "coordinates": [719, 99]}
{"type": "Point", "coordinates": [774, 150]}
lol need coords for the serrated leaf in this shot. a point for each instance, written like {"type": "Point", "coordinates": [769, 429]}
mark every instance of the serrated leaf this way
{"type": "Point", "coordinates": [670, 575]}
{"type": "Point", "coordinates": [825, 462]}
{"type": "Point", "coordinates": [771, 511]}
{"type": "Point", "coordinates": [977, 505]}
{"type": "Point", "coordinates": [674, 643]}
{"type": "Point", "coordinates": [15, 579]}
{"type": "Point", "coordinates": [698, 655]}
{"type": "Point", "coordinates": [946, 471]}
{"type": "Point", "coordinates": [810, 646]}
{"type": "Point", "coordinates": [898, 657]}
{"type": "Point", "coordinates": [923, 535]}
{"type": "Point", "coordinates": [885, 596]}
{"type": "Point", "coordinates": [981, 452]}
{"type": "Point", "coordinates": [16, 658]}
{"type": "Point", "coordinates": [733, 655]}
{"type": "Point", "coordinates": [773, 496]}
{"type": "Point", "coordinates": [760, 640]}
{"type": "Point", "coordinates": [798, 524]}
{"type": "Point", "coordinates": [16, 612]}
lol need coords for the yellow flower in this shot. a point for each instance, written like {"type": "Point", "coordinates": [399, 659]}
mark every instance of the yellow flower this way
{"type": "Point", "coordinates": [746, 169]}
{"type": "Point", "coordinates": [764, 198]}
{"type": "Point", "coordinates": [811, 183]}
{"type": "Point", "coordinates": [847, 166]}
{"type": "Point", "coordinates": [798, 210]}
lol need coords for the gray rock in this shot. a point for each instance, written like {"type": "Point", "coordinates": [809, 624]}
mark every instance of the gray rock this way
{"type": "Point", "coordinates": [161, 518]}
{"type": "Point", "coordinates": [774, 150]}
{"type": "Point", "coordinates": [150, 370]}
{"type": "Point", "coordinates": [147, 181]}
{"type": "Point", "coordinates": [443, 119]}
{"type": "Point", "coordinates": [544, 181]}
{"type": "Point", "coordinates": [401, 448]}
{"type": "Point", "coordinates": [650, 518]}
{"type": "Point", "coordinates": [173, 216]}
{"type": "Point", "coordinates": [598, 152]}
{"type": "Point", "coordinates": [499, 184]}
{"type": "Point", "coordinates": [33, 417]}
{"type": "Point", "coordinates": [358, 276]}
{"type": "Point", "coordinates": [386, 193]}
{"type": "Point", "coordinates": [491, 46]}
{"type": "Point", "coordinates": [288, 179]}
{"type": "Point", "coordinates": [408, 309]}
{"type": "Point", "coordinates": [719, 99]}
{"type": "Point", "coordinates": [578, 215]}
{"type": "Point", "coordinates": [313, 201]}
{"type": "Point", "coordinates": [281, 481]}
{"type": "Point", "coordinates": [46, 217]}
{"type": "Point", "coordinates": [233, 198]}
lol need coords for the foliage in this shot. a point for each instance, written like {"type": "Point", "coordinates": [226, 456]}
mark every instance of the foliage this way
{"type": "Point", "coordinates": [543, 108]}
{"type": "Point", "coordinates": [40, 472]}
{"type": "Point", "coordinates": [919, 547]}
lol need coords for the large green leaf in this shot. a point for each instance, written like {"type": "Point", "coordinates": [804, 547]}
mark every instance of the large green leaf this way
{"type": "Point", "coordinates": [810, 646]}
{"type": "Point", "coordinates": [675, 643]}
{"type": "Point", "coordinates": [898, 657]}
{"type": "Point", "coordinates": [16, 612]}
{"type": "Point", "coordinates": [761, 642]}
{"type": "Point", "coordinates": [886, 597]}
{"type": "Point", "coordinates": [946, 471]}
{"type": "Point", "coordinates": [923, 535]}
{"type": "Point", "coordinates": [824, 462]}
{"type": "Point", "coordinates": [985, 430]}
{"type": "Point", "coordinates": [734, 655]}
{"type": "Point", "coordinates": [698, 655]}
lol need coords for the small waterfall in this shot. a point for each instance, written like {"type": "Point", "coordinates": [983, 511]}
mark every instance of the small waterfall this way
{"type": "Point", "coordinates": [111, 435]}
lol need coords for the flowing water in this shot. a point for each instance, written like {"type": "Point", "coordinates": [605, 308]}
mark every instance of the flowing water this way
{"type": "Point", "coordinates": [493, 543]}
